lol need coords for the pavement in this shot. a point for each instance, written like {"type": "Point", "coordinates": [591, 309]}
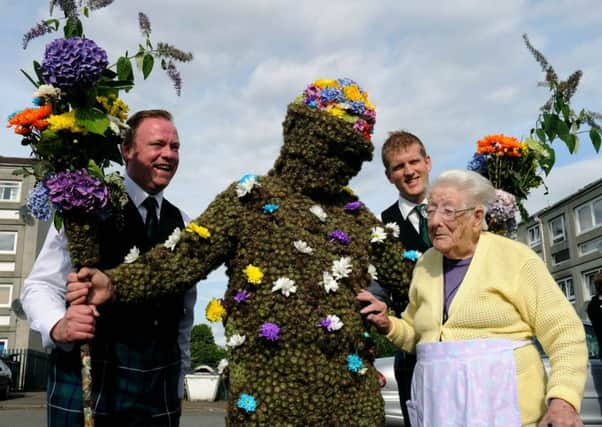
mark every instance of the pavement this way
{"type": "Point", "coordinates": [26, 400]}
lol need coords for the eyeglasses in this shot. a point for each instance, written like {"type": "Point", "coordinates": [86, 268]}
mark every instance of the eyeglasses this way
{"type": "Point", "coordinates": [448, 214]}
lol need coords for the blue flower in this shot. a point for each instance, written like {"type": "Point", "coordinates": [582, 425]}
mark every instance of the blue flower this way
{"type": "Point", "coordinates": [354, 363]}
{"type": "Point", "coordinates": [247, 402]}
{"type": "Point", "coordinates": [330, 94]}
{"type": "Point", "coordinates": [37, 202]}
{"type": "Point", "coordinates": [247, 177]}
{"type": "Point", "coordinates": [411, 255]}
{"type": "Point", "coordinates": [38, 102]}
{"type": "Point", "coordinates": [478, 164]}
{"type": "Point", "coordinates": [270, 208]}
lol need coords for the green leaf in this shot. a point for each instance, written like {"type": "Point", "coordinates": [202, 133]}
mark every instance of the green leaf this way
{"type": "Point", "coordinates": [124, 69]}
{"type": "Point", "coordinates": [115, 84]}
{"type": "Point", "coordinates": [548, 126]}
{"type": "Point", "coordinates": [58, 221]}
{"type": "Point", "coordinates": [52, 23]}
{"type": "Point", "coordinates": [547, 162]}
{"type": "Point", "coordinates": [33, 82]}
{"type": "Point", "coordinates": [594, 135]}
{"type": "Point", "coordinates": [108, 73]}
{"type": "Point", "coordinates": [73, 28]}
{"type": "Point", "coordinates": [37, 68]}
{"type": "Point", "coordinates": [541, 134]}
{"type": "Point", "coordinates": [571, 142]}
{"type": "Point", "coordinates": [561, 128]}
{"type": "Point", "coordinates": [95, 170]}
{"type": "Point", "coordinates": [94, 120]}
{"type": "Point", "coordinates": [566, 112]}
{"type": "Point", "coordinates": [147, 65]}
{"type": "Point", "coordinates": [86, 12]}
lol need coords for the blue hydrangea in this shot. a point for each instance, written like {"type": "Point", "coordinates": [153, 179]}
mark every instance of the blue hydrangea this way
{"type": "Point", "coordinates": [354, 363]}
{"type": "Point", "coordinates": [37, 202]}
{"type": "Point", "coordinates": [331, 94]}
{"type": "Point", "coordinates": [247, 402]}
{"type": "Point", "coordinates": [478, 164]}
{"type": "Point", "coordinates": [356, 107]}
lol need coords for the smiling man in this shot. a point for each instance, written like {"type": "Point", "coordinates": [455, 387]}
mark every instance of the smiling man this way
{"type": "Point", "coordinates": [140, 352]}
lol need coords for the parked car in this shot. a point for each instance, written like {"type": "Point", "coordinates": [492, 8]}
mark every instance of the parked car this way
{"type": "Point", "coordinates": [5, 380]}
{"type": "Point", "coordinates": [591, 406]}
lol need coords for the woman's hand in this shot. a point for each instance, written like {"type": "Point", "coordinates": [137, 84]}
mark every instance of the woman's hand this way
{"type": "Point", "coordinates": [375, 311]}
{"type": "Point", "coordinates": [560, 414]}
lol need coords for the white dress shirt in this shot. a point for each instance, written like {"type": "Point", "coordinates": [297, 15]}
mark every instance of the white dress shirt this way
{"type": "Point", "coordinates": [407, 210]}
{"type": "Point", "coordinates": [43, 293]}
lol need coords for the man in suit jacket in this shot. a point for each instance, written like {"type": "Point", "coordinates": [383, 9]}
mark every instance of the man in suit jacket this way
{"type": "Point", "coordinates": [139, 352]}
{"type": "Point", "coordinates": [407, 166]}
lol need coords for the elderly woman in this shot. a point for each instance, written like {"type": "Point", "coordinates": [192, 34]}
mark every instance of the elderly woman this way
{"type": "Point", "coordinates": [477, 300]}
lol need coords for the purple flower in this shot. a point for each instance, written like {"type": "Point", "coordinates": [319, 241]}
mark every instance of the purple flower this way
{"type": "Point", "coordinates": [175, 77]}
{"type": "Point", "coordinates": [339, 236]}
{"type": "Point", "coordinates": [312, 91]}
{"type": "Point", "coordinates": [353, 206]}
{"type": "Point", "coordinates": [270, 331]}
{"type": "Point", "coordinates": [325, 323]}
{"type": "Point", "coordinates": [37, 202]}
{"type": "Point", "coordinates": [77, 192]}
{"type": "Point", "coordinates": [357, 108]}
{"type": "Point", "coordinates": [144, 24]}
{"type": "Point", "coordinates": [241, 296]}
{"type": "Point", "coordinates": [39, 30]}
{"type": "Point", "coordinates": [74, 63]}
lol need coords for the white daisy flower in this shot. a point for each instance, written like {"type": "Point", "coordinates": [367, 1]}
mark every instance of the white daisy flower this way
{"type": "Point", "coordinates": [235, 340]}
{"type": "Point", "coordinates": [362, 371]}
{"type": "Point", "coordinates": [303, 247]}
{"type": "Point", "coordinates": [222, 365]}
{"type": "Point", "coordinates": [378, 235]}
{"type": "Point", "coordinates": [335, 322]}
{"type": "Point", "coordinates": [173, 239]}
{"type": "Point", "coordinates": [284, 285]}
{"type": "Point", "coordinates": [47, 91]}
{"type": "Point", "coordinates": [393, 227]}
{"type": "Point", "coordinates": [132, 255]}
{"type": "Point", "coordinates": [246, 184]}
{"type": "Point", "coordinates": [319, 212]}
{"type": "Point", "coordinates": [372, 272]}
{"type": "Point", "coordinates": [330, 283]}
{"type": "Point", "coordinates": [341, 267]}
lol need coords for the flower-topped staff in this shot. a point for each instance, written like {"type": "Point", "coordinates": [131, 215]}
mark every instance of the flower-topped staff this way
{"type": "Point", "coordinates": [74, 131]}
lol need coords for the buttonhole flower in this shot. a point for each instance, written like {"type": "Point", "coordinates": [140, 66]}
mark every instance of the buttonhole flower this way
{"type": "Point", "coordinates": [270, 331]}
{"type": "Point", "coordinates": [339, 236]}
{"type": "Point", "coordinates": [354, 363]}
{"type": "Point", "coordinates": [241, 296]}
{"type": "Point", "coordinates": [331, 323]}
{"type": "Point", "coordinates": [330, 283]}
{"type": "Point", "coordinates": [235, 340]}
{"type": "Point", "coordinates": [303, 247]}
{"type": "Point", "coordinates": [198, 229]}
{"type": "Point", "coordinates": [318, 212]}
{"type": "Point", "coordinates": [215, 311]}
{"type": "Point", "coordinates": [412, 255]}
{"type": "Point", "coordinates": [353, 206]}
{"type": "Point", "coordinates": [254, 274]}
{"type": "Point", "coordinates": [341, 268]}
{"type": "Point", "coordinates": [270, 208]}
{"type": "Point", "coordinates": [378, 235]}
{"type": "Point", "coordinates": [132, 255]}
{"type": "Point", "coordinates": [246, 184]}
{"type": "Point", "coordinates": [247, 403]}
{"type": "Point", "coordinates": [173, 239]}
{"type": "Point", "coordinates": [393, 227]}
{"type": "Point", "coordinates": [222, 365]}
{"type": "Point", "coordinates": [372, 272]}
{"type": "Point", "coordinates": [285, 285]}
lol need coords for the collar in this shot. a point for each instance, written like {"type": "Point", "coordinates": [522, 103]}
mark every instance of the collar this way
{"type": "Point", "coordinates": [406, 207]}
{"type": "Point", "coordinates": [138, 195]}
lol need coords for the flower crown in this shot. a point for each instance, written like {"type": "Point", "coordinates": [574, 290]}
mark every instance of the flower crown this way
{"type": "Point", "coordinates": [343, 98]}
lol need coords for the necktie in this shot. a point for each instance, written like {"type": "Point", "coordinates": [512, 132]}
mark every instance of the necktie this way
{"type": "Point", "coordinates": [151, 225]}
{"type": "Point", "coordinates": [423, 224]}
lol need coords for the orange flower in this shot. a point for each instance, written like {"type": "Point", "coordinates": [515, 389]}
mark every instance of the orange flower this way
{"type": "Point", "coordinates": [30, 118]}
{"type": "Point", "coordinates": [500, 145]}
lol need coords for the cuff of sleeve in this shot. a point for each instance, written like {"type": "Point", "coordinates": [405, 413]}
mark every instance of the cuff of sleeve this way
{"type": "Point", "coordinates": [396, 334]}
{"type": "Point", "coordinates": [566, 394]}
{"type": "Point", "coordinates": [51, 318]}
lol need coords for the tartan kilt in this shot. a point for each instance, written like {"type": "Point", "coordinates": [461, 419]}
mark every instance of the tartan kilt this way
{"type": "Point", "coordinates": [133, 384]}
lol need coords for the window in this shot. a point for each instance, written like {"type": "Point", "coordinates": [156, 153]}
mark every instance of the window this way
{"type": "Point", "coordinates": [561, 256]}
{"type": "Point", "coordinates": [534, 235]}
{"type": "Point", "coordinates": [8, 242]}
{"type": "Point", "coordinates": [10, 191]}
{"type": "Point", "coordinates": [3, 345]}
{"type": "Point", "coordinates": [588, 281]}
{"type": "Point", "coordinates": [557, 232]}
{"type": "Point", "coordinates": [591, 246]}
{"type": "Point", "coordinates": [6, 295]}
{"type": "Point", "coordinates": [567, 287]}
{"type": "Point", "coordinates": [589, 215]}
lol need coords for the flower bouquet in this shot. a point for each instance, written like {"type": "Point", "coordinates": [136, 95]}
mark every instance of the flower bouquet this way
{"type": "Point", "coordinates": [74, 130]}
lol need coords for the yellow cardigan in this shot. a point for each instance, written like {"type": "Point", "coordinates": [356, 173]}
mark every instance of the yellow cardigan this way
{"type": "Point", "coordinates": [507, 293]}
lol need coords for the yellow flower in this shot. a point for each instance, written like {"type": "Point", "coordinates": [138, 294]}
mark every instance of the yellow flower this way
{"type": "Point", "coordinates": [198, 229]}
{"type": "Point", "coordinates": [335, 111]}
{"type": "Point", "coordinates": [353, 93]}
{"type": "Point", "coordinates": [368, 104]}
{"type": "Point", "coordinates": [254, 274]}
{"type": "Point", "coordinates": [348, 190]}
{"type": "Point", "coordinates": [65, 121]}
{"type": "Point", "coordinates": [114, 106]}
{"type": "Point", "coordinates": [324, 83]}
{"type": "Point", "coordinates": [215, 311]}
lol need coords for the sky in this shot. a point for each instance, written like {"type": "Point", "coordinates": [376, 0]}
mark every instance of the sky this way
{"type": "Point", "coordinates": [447, 71]}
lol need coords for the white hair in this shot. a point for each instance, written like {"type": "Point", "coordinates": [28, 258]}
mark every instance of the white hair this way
{"type": "Point", "coordinates": [478, 189]}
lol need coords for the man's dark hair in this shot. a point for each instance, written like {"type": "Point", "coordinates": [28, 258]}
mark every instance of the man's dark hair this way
{"type": "Point", "coordinates": [397, 140]}
{"type": "Point", "coordinates": [134, 122]}
{"type": "Point", "coordinates": [598, 282]}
